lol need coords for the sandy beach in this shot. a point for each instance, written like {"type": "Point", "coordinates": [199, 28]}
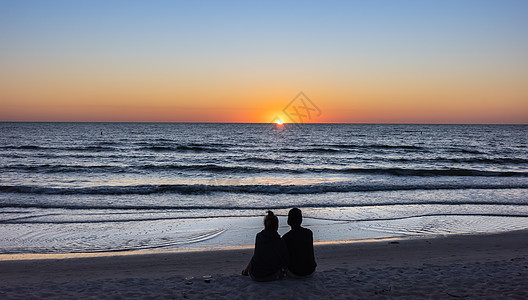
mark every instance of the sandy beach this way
{"type": "Point", "coordinates": [459, 266]}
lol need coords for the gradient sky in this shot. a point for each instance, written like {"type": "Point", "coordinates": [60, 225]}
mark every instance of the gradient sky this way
{"type": "Point", "coordinates": [244, 61]}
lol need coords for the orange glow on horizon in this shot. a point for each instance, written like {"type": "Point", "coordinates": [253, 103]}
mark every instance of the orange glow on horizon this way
{"type": "Point", "coordinates": [262, 98]}
{"type": "Point", "coordinates": [337, 104]}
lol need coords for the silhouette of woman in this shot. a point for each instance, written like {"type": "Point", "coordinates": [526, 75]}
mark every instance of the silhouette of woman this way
{"type": "Point", "coordinates": [270, 256]}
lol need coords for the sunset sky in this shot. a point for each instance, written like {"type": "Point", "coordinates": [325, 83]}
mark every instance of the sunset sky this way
{"type": "Point", "coordinates": [244, 61]}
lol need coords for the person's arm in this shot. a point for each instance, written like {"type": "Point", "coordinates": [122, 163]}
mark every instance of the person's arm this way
{"type": "Point", "coordinates": [245, 272]}
{"type": "Point", "coordinates": [312, 248]}
{"type": "Point", "coordinates": [284, 255]}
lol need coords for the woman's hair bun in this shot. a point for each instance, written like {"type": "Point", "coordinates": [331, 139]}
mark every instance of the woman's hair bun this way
{"type": "Point", "coordinates": [271, 221]}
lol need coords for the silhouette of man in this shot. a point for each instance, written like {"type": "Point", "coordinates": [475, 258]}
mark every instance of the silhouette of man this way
{"type": "Point", "coordinates": [299, 241]}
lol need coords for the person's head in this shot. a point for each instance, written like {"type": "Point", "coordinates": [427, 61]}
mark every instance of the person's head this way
{"type": "Point", "coordinates": [271, 222]}
{"type": "Point", "coordinates": [294, 217]}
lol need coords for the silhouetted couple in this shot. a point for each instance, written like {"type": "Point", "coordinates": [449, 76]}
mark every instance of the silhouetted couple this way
{"type": "Point", "coordinates": [292, 254]}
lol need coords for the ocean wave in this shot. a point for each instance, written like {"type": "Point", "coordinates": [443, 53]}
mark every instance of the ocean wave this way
{"type": "Point", "coordinates": [510, 215]}
{"type": "Point", "coordinates": [107, 219]}
{"type": "Point", "coordinates": [48, 168]}
{"type": "Point", "coordinates": [465, 150]}
{"type": "Point", "coordinates": [378, 146]}
{"type": "Point", "coordinates": [265, 189]}
{"type": "Point", "coordinates": [458, 160]}
{"type": "Point", "coordinates": [21, 147]}
{"type": "Point", "coordinates": [216, 147]}
{"type": "Point", "coordinates": [307, 150]}
{"type": "Point", "coordinates": [425, 172]}
{"type": "Point", "coordinates": [95, 148]}
{"type": "Point", "coordinates": [322, 148]}
{"type": "Point", "coordinates": [183, 148]}
{"type": "Point", "coordinates": [486, 160]}
{"type": "Point", "coordinates": [237, 208]}
{"type": "Point", "coordinates": [250, 169]}
{"type": "Point", "coordinates": [88, 148]}
{"type": "Point", "coordinates": [261, 160]}
{"type": "Point", "coordinates": [139, 218]}
{"type": "Point", "coordinates": [212, 168]}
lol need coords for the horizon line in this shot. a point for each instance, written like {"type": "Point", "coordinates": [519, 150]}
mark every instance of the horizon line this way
{"type": "Point", "coordinates": [285, 123]}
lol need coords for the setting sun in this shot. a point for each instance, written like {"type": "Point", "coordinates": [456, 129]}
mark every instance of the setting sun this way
{"type": "Point", "coordinates": [279, 122]}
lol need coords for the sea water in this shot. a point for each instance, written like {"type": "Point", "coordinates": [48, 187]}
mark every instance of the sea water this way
{"type": "Point", "coordinates": [91, 187]}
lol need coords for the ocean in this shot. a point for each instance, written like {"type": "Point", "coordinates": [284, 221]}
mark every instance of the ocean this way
{"type": "Point", "coordinates": [103, 187]}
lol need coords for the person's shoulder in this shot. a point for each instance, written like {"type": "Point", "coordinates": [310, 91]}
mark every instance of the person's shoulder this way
{"type": "Point", "coordinates": [261, 234]}
{"type": "Point", "coordinates": [306, 230]}
{"type": "Point", "coordinates": [307, 233]}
